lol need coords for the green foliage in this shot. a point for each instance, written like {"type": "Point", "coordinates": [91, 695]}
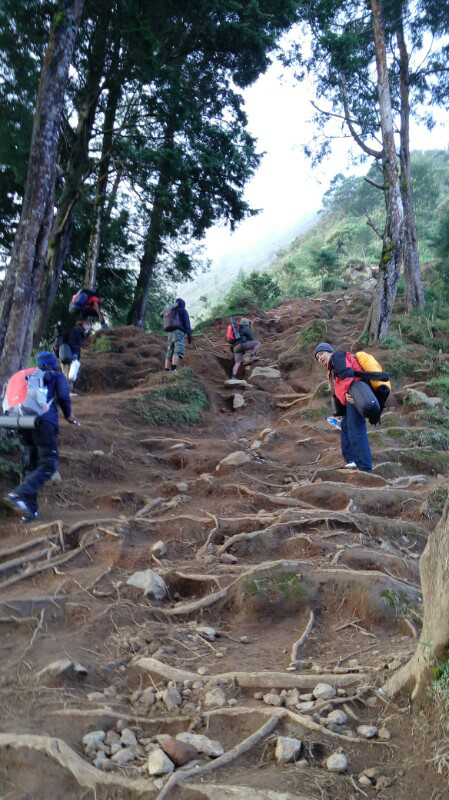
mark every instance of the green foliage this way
{"type": "Point", "coordinates": [9, 447]}
{"type": "Point", "coordinates": [312, 333]}
{"type": "Point", "coordinates": [441, 387]}
{"type": "Point", "coordinates": [284, 586]}
{"type": "Point", "coordinates": [102, 344]}
{"type": "Point", "coordinates": [392, 341]}
{"type": "Point", "coordinates": [434, 503]}
{"type": "Point", "coordinates": [176, 399]}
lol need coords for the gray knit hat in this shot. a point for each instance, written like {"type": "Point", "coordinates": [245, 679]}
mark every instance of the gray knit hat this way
{"type": "Point", "coordinates": [323, 347]}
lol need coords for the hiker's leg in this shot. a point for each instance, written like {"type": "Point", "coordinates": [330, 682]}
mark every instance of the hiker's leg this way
{"type": "Point", "coordinates": [238, 359]}
{"type": "Point", "coordinates": [179, 348]}
{"type": "Point", "coordinates": [170, 351]}
{"type": "Point", "coordinates": [45, 439]}
{"type": "Point", "coordinates": [346, 449]}
{"type": "Point", "coordinates": [358, 438]}
{"type": "Point", "coordinates": [29, 452]}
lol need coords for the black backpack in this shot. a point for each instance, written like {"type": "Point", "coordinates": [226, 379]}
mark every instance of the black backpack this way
{"type": "Point", "coordinates": [172, 319]}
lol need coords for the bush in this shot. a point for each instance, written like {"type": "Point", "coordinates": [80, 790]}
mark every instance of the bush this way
{"type": "Point", "coordinates": [312, 333]}
{"type": "Point", "coordinates": [177, 399]}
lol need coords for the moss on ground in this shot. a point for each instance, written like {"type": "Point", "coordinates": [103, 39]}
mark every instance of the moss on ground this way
{"type": "Point", "coordinates": [441, 387]}
{"type": "Point", "coordinates": [312, 333]}
{"type": "Point", "coordinates": [176, 399]}
{"type": "Point", "coordinates": [286, 586]}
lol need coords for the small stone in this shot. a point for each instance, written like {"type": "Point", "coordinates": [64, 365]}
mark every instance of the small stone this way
{"type": "Point", "coordinates": [287, 749]}
{"type": "Point", "coordinates": [337, 762]}
{"type": "Point", "coordinates": [365, 781]}
{"type": "Point", "coordinates": [384, 734]}
{"type": "Point", "coordinates": [100, 760]}
{"type": "Point", "coordinates": [215, 698]}
{"type": "Point", "coordinates": [244, 639]}
{"type": "Point", "coordinates": [115, 748]}
{"type": "Point", "coordinates": [159, 549]}
{"type": "Point", "coordinates": [206, 632]}
{"type": "Point", "coordinates": [273, 699]}
{"type": "Point", "coordinates": [371, 701]}
{"type": "Point", "coordinates": [316, 668]}
{"type": "Point", "coordinates": [383, 782]}
{"type": "Point", "coordinates": [238, 401]}
{"type": "Point", "coordinates": [124, 756]}
{"type": "Point", "coordinates": [372, 773]}
{"type": "Point", "coordinates": [182, 486]}
{"type": "Point", "coordinates": [95, 697]}
{"type": "Point", "coordinates": [228, 558]}
{"type": "Point", "coordinates": [292, 698]}
{"type": "Point", "coordinates": [258, 695]}
{"type": "Point", "coordinates": [93, 739]}
{"type": "Point", "coordinates": [110, 691]}
{"type": "Point", "coordinates": [203, 744]}
{"type": "Point", "coordinates": [232, 702]}
{"type": "Point", "coordinates": [148, 698]}
{"type": "Point", "coordinates": [135, 697]}
{"type": "Point", "coordinates": [128, 738]}
{"type": "Point", "coordinates": [197, 686]}
{"type": "Point", "coordinates": [202, 670]}
{"type": "Point", "coordinates": [112, 737]}
{"type": "Point", "coordinates": [367, 731]}
{"type": "Point", "coordinates": [62, 669]}
{"type": "Point", "coordinates": [302, 763]}
{"type": "Point", "coordinates": [306, 697]}
{"type": "Point", "coordinates": [353, 663]}
{"type": "Point", "coordinates": [171, 698]}
{"type": "Point", "coordinates": [150, 582]}
{"type": "Point", "coordinates": [121, 725]}
{"type": "Point", "coordinates": [178, 752]}
{"type": "Point", "coordinates": [337, 717]}
{"type": "Point", "coordinates": [159, 763]}
{"type": "Point", "coordinates": [307, 706]}
{"type": "Point", "coordinates": [323, 691]}
{"type": "Point", "coordinates": [341, 692]}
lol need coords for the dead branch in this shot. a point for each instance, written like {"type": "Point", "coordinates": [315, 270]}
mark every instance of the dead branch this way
{"type": "Point", "coordinates": [54, 562]}
{"type": "Point", "coordinates": [302, 638]}
{"type": "Point", "coordinates": [221, 761]}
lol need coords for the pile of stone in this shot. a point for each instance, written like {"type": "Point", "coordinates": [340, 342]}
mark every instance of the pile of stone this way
{"type": "Point", "coordinates": [156, 756]}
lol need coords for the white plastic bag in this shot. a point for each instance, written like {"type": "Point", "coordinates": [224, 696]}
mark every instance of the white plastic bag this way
{"type": "Point", "coordinates": [74, 369]}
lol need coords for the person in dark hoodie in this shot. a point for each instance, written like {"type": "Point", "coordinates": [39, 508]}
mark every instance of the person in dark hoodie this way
{"type": "Point", "coordinates": [176, 345]}
{"type": "Point", "coordinates": [76, 338]}
{"type": "Point", "coordinates": [40, 445]}
{"type": "Point", "coordinates": [246, 343]}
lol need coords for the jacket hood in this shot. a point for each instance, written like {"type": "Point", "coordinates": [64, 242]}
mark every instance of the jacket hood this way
{"type": "Point", "coordinates": [180, 302]}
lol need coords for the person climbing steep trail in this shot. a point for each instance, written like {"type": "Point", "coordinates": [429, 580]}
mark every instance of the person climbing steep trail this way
{"type": "Point", "coordinates": [219, 584]}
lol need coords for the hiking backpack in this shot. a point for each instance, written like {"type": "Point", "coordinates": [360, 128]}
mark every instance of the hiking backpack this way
{"type": "Point", "coordinates": [26, 393]}
{"type": "Point", "coordinates": [79, 300]}
{"type": "Point", "coordinates": [233, 332]}
{"type": "Point", "coordinates": [171, 319]}
{"type": "Point", "coordinates": [369, 364]}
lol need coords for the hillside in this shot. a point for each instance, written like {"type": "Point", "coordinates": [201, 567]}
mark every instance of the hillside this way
{"type": "Point", "coordinates": [276, 575]}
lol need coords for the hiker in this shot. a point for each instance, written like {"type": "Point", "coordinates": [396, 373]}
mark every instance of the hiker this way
{"type": "Point", "coordinates": [244, 342]}
{"type": "Point", "coordinates": [340, 367]}
{"type": "Point", "coordinates": [70, 348]}
{"type": "Point", "coordinates": [86, 304]}
{"type": "Point", "coordinates": [40, 444]}
{"type": "Point", "coordinates": [177, 325]}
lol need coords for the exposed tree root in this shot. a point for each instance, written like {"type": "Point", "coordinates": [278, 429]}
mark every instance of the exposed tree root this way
{"type": "Point", "coordinates": [221, 761]}
{"type": "Point", "coordinates": [399, 583]}
{"type": "Point", "coordinates": [195, 605]}
{"type": "Point", "coordinates": [35, 556]}
{"type": "Point", "coordinates": [10, 551]}
{"type": "Point", "coordinates": [57, 749]}
{"type": "Point", "coordinates": [221, 791]}
{"type": "Point", "coordinates": [272, 498]}
{"type": "Point", "coordinates": [54, 562]}
{"type": "Point", "coordinates": [296, 646]}
{"type": "Point", "coordinates": [252, 680]}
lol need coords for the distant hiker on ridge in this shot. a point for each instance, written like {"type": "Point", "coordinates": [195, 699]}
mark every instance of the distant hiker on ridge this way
{"type": "Point", "coordinates": [39, 443]}
{"type": "Point", "coordinates": [240, 337]}
{"type": "Point", "coordinates": [177, 324]}
{"type": "Point", "coordinates": [340, 368]}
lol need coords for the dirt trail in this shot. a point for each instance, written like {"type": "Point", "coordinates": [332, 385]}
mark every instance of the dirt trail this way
{"type": "Point", "coordinates": [308, 574]}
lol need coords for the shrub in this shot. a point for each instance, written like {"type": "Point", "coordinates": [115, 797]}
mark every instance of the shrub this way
{"type": "Point", "coordinates": [177, 399]}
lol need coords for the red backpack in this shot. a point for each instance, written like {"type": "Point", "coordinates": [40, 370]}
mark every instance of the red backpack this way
{"type": "Point", "coordinates": [26, 393]}
{"type": "Point", "coordinates": [233, 332]}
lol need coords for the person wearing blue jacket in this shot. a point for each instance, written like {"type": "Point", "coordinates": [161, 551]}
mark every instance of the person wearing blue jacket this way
{"type": "Point", "coordinates": [176, 345]}
{"type": "Point", "coordinates": [40, 445]}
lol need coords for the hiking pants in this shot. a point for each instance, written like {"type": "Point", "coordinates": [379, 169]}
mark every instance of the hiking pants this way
{"type": "Point", "coordinates": [354, 439]}
{"type": "Point", "coordinates": [39, 460]}
{"type": "Point", "coordinates": [241, 348]}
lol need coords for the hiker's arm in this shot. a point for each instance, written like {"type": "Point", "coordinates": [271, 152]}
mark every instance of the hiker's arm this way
{"type": "Point", "coordinates": [99, 314]}
{"type": "Point", "coordinates": [187, 326]}
{"type": "Point", "coordinates": [339, 365]}
{"type": "Point", "coordinates": [62, 392]}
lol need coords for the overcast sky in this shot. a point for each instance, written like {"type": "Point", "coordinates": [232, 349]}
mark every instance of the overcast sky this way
{"type": "Point", "coordinates": [285, 186]}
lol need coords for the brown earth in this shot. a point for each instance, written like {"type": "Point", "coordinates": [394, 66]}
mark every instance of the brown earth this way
{"type": "Point", "coordinates": [311, 543]}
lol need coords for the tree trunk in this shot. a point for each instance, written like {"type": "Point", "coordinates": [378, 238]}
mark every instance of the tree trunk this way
{"type": "Point", "coordinates": [24, 273]}
{"type": "Point", "coordinates": [153, 240]}
{"type": "Point", "coordinates": [414, 294]}
{"type": "Point", "coordinates": [75, 173]}
{"type": "Point", "coordinates": [414, 677]}
{"type": "Point", "coordinates": [114, 94]}
{"type": "Point", "coordinates": [392, 251]}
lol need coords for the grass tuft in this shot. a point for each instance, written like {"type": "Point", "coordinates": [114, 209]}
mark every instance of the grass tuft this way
{"type": "Point", "coordinates": [177, 399]}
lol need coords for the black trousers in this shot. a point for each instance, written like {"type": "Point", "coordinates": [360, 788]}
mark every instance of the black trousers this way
{"type": "Point", "coordinates": [39, 460]}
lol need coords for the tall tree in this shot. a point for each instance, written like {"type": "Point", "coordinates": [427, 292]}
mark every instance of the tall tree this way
{"type": "Point", "coordinates": [24, 274]}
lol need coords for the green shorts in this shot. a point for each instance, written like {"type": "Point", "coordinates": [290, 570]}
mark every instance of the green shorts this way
{"type": "Point", "coordinates": [176, 345]}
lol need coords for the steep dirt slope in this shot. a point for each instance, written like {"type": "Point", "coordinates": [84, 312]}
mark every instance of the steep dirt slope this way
{"type": "Point", "coordinates": [281, 573]}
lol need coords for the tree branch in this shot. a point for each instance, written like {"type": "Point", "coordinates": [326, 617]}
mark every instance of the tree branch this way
{"type": "Point", "coordinates": [366, 149]}
{"type": "Point", "coordinates": [373, 183]}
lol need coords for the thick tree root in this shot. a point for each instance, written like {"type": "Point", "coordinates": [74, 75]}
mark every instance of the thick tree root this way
{"type": "Point", "coordinates": [253, 680]}
{"type": "Point", "coordinates": [221, 791]}
{"type": "Point", "coordinates": [57, 749]}
{"type": "Point", "coordinates": [221, 761]}
{"type": "Point", "coordinates": [195, 605]}
{"type": "Point", "coordinates": [296, 646]}
{"type": "Point", "coordinates": [271, 498]}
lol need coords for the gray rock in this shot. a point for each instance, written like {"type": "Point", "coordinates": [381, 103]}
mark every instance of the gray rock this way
{"type": "Point", "coordinates": [306, 697]}
{"type": "Point", "coordinates": [367, 731]}
{"type": "Point", "coordinates": [159, 763]}
{"type": "Point", "coordinates": [337, 762]}
{"type": "Point", "coordinates": [287, 749]}
{"type": "Point", "coordinates": [148, 698]}
{"type": "Point", "coordinates": [292, 698]}
{"type": "Point", "coordinates": [159, 549]}
{"type": "Point", "coordinates": [179, 752]}
{"type": "Point", "coordinates": [95, 697]}
{"type": "Point", "coordinates": [202, 743]}
{"type": "Point", "coordinates": [63, 668]}
{"type": "Point", "coordinates": [128, 738]}
{"type": "Point", "coordinates": [417, 399]}
{"type": "Point", "coordinates": [171, 698]}
{"type": "Point", "coordinates": [235, 459]}
{"type": "Point", "coordinates": [112, 737]}
{"type": "Point", "coordinates": [372, 773]}
{"type": "Point", "coordinates": [215, 698]}
{"type": "Point", "coordinates": [265, 372]}
{"type": "Point", "coordinates": [258, 696]}
{"type": "Point", "coordinates": [182, 486]}
{"type": "Point", "coordinates": [238, 401]}
{"type": "Point", "coordinates": [100, 760]}
{"type": "Point", "coordinates": [306, 706]}
{"type": "Point", "coordinates": [228, 558]}
{"type": "Point", "coordinates": [124, 756]}
{"type": "Point", "coordinates": [235, 383]}
{"type": "Point", "coordinates": [383, 782]}
{"type": "Point", "coordinates": [338, 717]}
{"type": "Point", "coordinates": [93, 739]}
{"type": "Point", "coordinates": [150, 582]}
{"type": "Point", "coordinates": [384, 734]}
{"type": "Point", "coordinates": [323, 691]}
{"type": "Point", "coordinates": [273, 699]}
{"type": "Point", "coordinates": [206, 632]}
{"type": "Point", "coordinates": [365, 781]}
